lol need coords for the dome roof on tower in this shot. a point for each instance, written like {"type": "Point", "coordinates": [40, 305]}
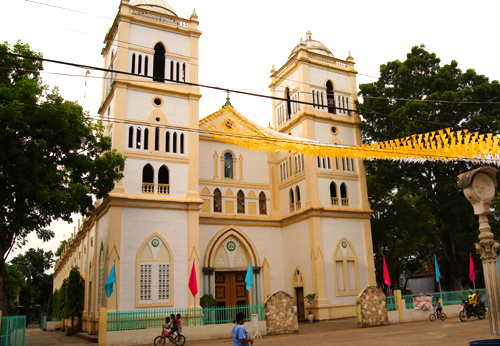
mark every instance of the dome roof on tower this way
{"type": "Point", "coordinates": [155, 5]}
{"type": "Point", "coordinates": [312, 45]}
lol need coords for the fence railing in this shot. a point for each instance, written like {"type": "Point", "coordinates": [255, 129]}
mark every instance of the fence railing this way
{"type": "Point", "coordinates": [12, 331]}
{"type": "Point", "coordinates": [147, 319]}
{"type": "Point", "coordinates": [448, 298]}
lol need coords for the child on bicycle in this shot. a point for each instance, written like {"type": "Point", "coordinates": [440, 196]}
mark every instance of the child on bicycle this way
{"type": "Point", "coordinates": [438, 307]}
{"type": "Point", "coordinates": [168, 324]}
{"type": "Point", "coordinates": [179, 324]}
{"type": "Point", "coordinates": [174, 326]}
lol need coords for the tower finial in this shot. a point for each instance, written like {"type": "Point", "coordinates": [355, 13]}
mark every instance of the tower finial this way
{"type": "Point", "coordinates": [308, 35]}
{"type": "Point", "coordinates": [349, 56]}
{"type": "Point", "coordinates": [228, 102]}
{"type": "Point", "coordinates": [194, 16]}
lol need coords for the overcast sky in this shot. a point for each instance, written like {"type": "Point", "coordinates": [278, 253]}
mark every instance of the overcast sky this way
{"type": "Point", "coordinates": [242, 40]}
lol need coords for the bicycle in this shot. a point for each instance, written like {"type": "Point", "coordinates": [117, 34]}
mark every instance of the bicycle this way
{"type": "Point", "coordinates": [434, 316]}
{"type": "Point", "coordinates": [174, 338]}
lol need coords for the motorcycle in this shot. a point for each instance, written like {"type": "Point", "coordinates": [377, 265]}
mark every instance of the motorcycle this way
{"type": "Point", "coordinates": [468, 311]}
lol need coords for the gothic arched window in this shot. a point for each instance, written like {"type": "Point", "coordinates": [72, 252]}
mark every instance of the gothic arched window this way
{"type": "Point", "coordinates": [174, 142]}
{"type": "Point", "coordinates": [292, 201]}
{"type": "Point", "coordinates": [333, 194]}
{"type": "Point", "coordinates": [288, 104]}
{"type": "Point", "coordinates": [145, 65]}
{"type": "Point", "coordinates": [262, 204]}
{"type": "Point", "coordinates": [228, 166]}
{"type": "Point", "coordinates": [146, 139]}
{"type": "Point", "coordinates": [159, 63]}
{"type": "Point", "coordinates": [138, 138]}
{"type": "Point", "coordinates": [131, 137]}
{"type": "Point", "coordinates": [241, 202]}
{"type": "Point", "coordinates": [157, 138]}
{"type": "Point", "coordinates": [172, 70]}
{"type": "Point", "coordinates": [148, 185]}
{"type": "Point", "coordinates": [163, 181]}
{"type": "Point", "coordinates": [167, 142]}
{"type": "Point", "coordinates": [133, 63]}
{"type": "Point", "coordinates": [181, 143]}
{"type": "Point", "coordinates": [217, 201]}
{"type": "Point", "coordinates": [330, 97]}
{"type": "Point", "coordinates": [297, 198]}
{"type": "Point", "coordinates": [343, 195]}
{"type": "Point", "coordinates": [139, 64]}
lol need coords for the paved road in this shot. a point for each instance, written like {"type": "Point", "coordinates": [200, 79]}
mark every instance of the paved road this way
{"type": "Point", "coordinates": [339, 332]}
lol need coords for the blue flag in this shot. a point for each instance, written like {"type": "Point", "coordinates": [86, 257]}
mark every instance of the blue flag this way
{"type": "Point", "coordinates": [438, 274]}
{"type": "Point", "coordinates": [249, 277]}
{"type": "Point", "coordinates": [109, 283]}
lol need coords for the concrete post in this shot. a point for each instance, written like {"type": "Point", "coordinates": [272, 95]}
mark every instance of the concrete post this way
{"type": "Point", "coordinates": [103, 323]}
{"type": "Point", "coordinates": [479, 188]}
{"type": "Point", "coordinates": [400, 303]}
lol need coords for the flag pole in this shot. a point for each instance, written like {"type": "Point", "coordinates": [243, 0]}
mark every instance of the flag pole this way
{"type": "Point", "coordinates": [116, 293]}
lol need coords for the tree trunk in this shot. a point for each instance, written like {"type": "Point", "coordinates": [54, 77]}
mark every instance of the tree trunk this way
{"type": "Point", "coordinates": [4, 299]}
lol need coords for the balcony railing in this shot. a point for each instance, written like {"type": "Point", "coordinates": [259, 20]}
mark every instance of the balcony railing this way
{"type": "Point", "coordinates": [345, 202]}
{"type": "Point", "coordinates": [148, 188]}
{"type": "Point", "coordinates": [335, 201]}
{"type": "Point", "coordinates": [292, 207]}
{"type": "Point", "coordinates": [163, 189]}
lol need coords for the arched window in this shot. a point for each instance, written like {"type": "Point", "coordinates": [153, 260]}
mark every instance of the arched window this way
{"type": "Point", "coordinates": [157, 138]}
{"type": "Point", "coordinates": [262, 204]}
{"type": "Point", "coordinates": [172, 70]}
{"type": "Point", "coordinates": [217, 201]}
{"type": "Point", "coordinates": [177, 72]}
{"type": "Point", "coordinates": [333, 194]}
{"type": "Point", "coordinates": [343, 195]}
{"type": "Point", "coordinates": [330, 97]}
{"type": "Point", "coordinates": [131, 137]}
{"type": "Point", "coordinates": [154, 272]}
{"type": "Point", "coordinates": [288, 103]}
{"type": "Point", "coordinates": [167, 142]}
{"type": "Point", "coordinates": [145, 65]}
{"type": "Point", "coordinates": [133, 63]}
{"type": "Point", "coordinates": [174, 142]}
{"type": "Point", "coordinates": [163, 181]}
{"type": "Point", "coordinates": [240, 201]}
{"type": "Point", "coordinates": [148, 185]}
{"type": "Point", "coordinates": [139, 64]}
{"type": "Point", "coordinates": [228, 165]}
{"type": "Point", "coordinates": [314, 99]}
{"type": "Point", "coordinates": [159, 63]}
{"type": "Point", "coordinates": [345, 269]}
{"type": "Point", "coordinates": [292, 201]}
{"type": "Point", "coordinates": [184, 72]}
{"type": "Point", "coordinates": [297, 198]}
{"type": "Point", "coordinates": [138, 138]}
{"type": "Point", "coordinates": [146, 139]}
{"type": "Point", "coordinates": [181, 143]}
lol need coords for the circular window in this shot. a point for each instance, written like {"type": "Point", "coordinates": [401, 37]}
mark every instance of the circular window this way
{"type": "Point", "coordinates": [334, 130]}
{"type": "Point", "coordinates": [157, 101]}
{"type": "Point", "coordinates": [344, 244]}
{"type": "Point", "coordinates": [229, 124]}
{"type": "Point", "coordinates": [155, 242]}
{"type": "Point", "coordinates": [157, 119]}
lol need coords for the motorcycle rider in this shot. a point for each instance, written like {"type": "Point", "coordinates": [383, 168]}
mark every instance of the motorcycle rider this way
{"type": "Point", "coordinates": [479, 299]}
{"type": "Point", "coordinates": [471, 301]}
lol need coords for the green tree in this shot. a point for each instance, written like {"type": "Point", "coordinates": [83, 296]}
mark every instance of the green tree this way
{"type": "Point", "coordinates": [13, 283]}
{"type": "Point", "coordinates": [54, 159]}
{"type": "Point", "coordinates": [61, 247]}
{"type": "Point", "coordinates": [418, 209]}
{"type": "Point", "coordinates": [73, 305]}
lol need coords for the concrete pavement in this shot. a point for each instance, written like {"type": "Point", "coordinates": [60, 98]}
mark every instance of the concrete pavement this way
{"type": "Point", "coordinates": [338, 332]}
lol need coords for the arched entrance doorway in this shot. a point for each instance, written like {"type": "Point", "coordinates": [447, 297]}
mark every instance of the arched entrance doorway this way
{"type": "Point", "coordinates": [225, 267]}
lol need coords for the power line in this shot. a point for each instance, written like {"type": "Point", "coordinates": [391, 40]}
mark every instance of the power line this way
{"type": "Point", "coordinates": [67, 9]}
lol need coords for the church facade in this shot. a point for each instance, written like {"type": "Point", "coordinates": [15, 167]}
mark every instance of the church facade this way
{"type": "Point", "coordinates": [302, 222]}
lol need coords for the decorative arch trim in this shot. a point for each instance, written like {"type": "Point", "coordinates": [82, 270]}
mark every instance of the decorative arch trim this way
{"type": "Point", "coordinates": [157, 113]}
{"type": "Point", "coordinates": [218, 239]}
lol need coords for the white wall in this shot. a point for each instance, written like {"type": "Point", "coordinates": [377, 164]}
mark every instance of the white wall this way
{"type": "Point", "coordinates": [319, 76]}
{"type": "Point", "coordinates": [137, 226]}
{"type": "Point", "coordinates": [147, 37]}
{"type": "Point", "coordinates": [297, 253]}
{"type": "Point", "coordinates": [322, 133]}
{"type": "Point", "coordinates": [139, 105]}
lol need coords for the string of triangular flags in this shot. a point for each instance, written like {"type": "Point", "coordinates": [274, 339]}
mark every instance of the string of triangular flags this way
{"type": "Point", "coordinates": [441, 145]}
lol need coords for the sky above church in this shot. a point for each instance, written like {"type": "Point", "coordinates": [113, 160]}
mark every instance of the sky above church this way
{"type": "Point", "coordinates": [241, 41]}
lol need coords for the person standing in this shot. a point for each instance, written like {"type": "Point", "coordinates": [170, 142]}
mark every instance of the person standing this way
{"type": "Point", "coordinates": [240, 335]}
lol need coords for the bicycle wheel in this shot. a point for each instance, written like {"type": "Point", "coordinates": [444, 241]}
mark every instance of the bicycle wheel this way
{"type": "Point", "coordinates": [443, 316]}
{"type": "Point", "coordinates": [159, 341]}
{"type": "Point", "coordinates": [480, 314]}
{"type": "Point", "coordinates": [180, 340]}
{"type": "Point", "coordinates": [463, 316]}
{"type": "Point", "coordinates": [432, 317]}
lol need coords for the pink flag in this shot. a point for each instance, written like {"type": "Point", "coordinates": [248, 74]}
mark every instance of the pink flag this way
{"type": "Point", "coordinates": [193, 285]}
{"type": "Point", "coordinates": [472, 274]}
{"type": "Point", "coordinates": [387, 278]}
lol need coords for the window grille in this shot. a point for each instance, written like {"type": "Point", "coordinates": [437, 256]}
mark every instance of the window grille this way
{"type": "Point", "coordinates": [145, 282]}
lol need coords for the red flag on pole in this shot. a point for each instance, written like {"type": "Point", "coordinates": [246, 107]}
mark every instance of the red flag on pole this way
{"type": "Point", "coordinates": [193, 285]}
{"type": "Point", "coordinates": [472, 273]}
{"type": "Point", "coordinates": [387, 278]}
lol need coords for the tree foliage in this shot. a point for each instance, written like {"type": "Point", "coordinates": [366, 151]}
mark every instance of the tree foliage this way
{"type": "Point", "coordinates": [54, 159]}
{"type": "Point", "coordinates": [73, 305]}
{"type": "Point", "coordinates": [418, 208]}
{"type": "Point", "coordinates": [13, 283]}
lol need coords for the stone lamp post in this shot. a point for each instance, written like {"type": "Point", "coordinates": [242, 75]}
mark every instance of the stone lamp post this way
{"type": "Point", "coordinates": [479, 187]}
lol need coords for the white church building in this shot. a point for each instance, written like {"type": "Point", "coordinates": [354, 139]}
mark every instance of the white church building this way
{"type": "Point", "coordinates": [303, 222]}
